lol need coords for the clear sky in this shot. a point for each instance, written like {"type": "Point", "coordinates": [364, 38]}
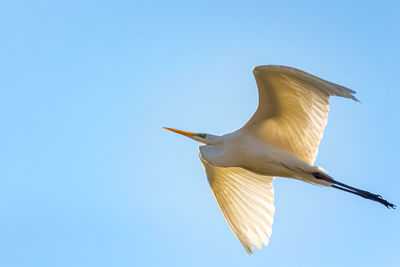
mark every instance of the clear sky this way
{"type": "Point", "coordinates": [90, 178]}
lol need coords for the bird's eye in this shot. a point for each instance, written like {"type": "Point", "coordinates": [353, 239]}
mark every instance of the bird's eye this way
{"type": "Point", "coordinates": [202, 135]}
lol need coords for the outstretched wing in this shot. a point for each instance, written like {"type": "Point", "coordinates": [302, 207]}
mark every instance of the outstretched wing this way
{"type": "Point", "coordinates": [246, 200]}
{"type": "Point", "coordinates": [293, 109]}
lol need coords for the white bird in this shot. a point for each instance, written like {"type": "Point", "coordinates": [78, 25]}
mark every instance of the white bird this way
{"type": "Point", "coordinates": [280, 139]}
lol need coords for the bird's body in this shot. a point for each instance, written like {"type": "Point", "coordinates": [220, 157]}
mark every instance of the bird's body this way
{"type": "Point", "coordinates": [248, 152]}
{"type": "Point", "coordinates": [280, 139]}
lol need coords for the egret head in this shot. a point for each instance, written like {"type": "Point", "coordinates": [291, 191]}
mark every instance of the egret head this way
{"type": "Point", "coordinates": [204, 138]}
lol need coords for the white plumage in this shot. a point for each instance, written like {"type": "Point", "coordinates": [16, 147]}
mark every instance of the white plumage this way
{"type": "Point", "coordinates": [293, 109]}
{"type": "Point", "coordinates": [280, 139]}
{"type": "Point", "coordinates": [247, 202]}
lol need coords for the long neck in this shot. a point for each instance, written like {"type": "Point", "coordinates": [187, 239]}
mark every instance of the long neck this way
{"type": "Point", "coordinates": [214, 139]}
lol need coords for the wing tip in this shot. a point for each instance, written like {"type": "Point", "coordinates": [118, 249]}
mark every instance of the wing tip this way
{"type": "Point", "coordinates": [346, 92]}
{"type": "Point", "coordinates": [250, 247]}
{"type": "Point", "coordinates": [355, 99]}
{"type": "Point", "coordinates": [349, 93]}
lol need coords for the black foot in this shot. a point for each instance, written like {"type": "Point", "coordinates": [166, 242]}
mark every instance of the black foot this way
{"type": "Point", "coordinates": [353, 190]}
{"type": "Point", "coordinates": [377, 198]}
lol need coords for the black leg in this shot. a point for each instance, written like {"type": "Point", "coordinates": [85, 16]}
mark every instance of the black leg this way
{"type": "Point", "coordinates": [353, 190]}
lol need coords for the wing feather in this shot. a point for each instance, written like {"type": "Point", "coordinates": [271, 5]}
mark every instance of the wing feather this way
{"type": "Point", "coordinates": [246, 201]}
{"type": "Point", "coordinates": [293, 109]}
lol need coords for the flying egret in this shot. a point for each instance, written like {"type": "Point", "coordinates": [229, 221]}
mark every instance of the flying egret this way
{"type": "Point", "coordinates": [280, 139]}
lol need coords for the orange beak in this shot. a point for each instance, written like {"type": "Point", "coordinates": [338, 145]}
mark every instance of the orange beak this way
{"type": "Point", "coordinates": [180, 132]}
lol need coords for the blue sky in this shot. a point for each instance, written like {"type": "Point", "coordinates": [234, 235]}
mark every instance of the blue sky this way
{"type": "Point", "coordinates": [90, 178]}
